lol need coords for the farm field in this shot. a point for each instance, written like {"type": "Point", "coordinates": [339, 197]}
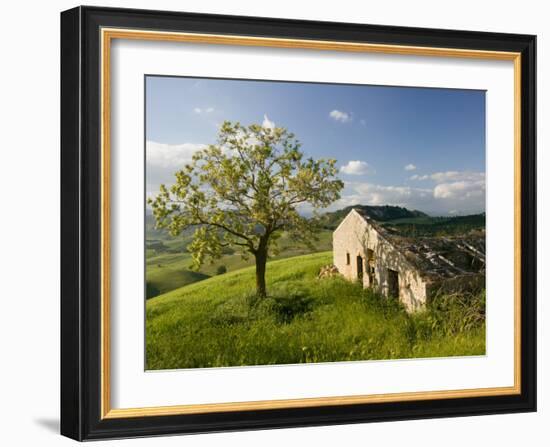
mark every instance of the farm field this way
{"type": "Point", "coordinates": [168, 265]}
{"type": "Point", "coordinates": [218, 321]}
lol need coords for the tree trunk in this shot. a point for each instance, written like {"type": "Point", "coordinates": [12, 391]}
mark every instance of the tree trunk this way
{"type": "Point", "coordinates": [261, 259]}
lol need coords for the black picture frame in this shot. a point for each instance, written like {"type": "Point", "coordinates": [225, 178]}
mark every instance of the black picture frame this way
{"type": "Point", "coordinates": [81, 224]}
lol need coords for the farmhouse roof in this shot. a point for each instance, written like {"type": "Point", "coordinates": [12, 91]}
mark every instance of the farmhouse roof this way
{"type": "Point", "coordinates": [437, 257]}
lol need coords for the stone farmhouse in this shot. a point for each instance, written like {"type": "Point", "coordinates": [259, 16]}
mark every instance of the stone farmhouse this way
{"type": "Point", "coordinates": [414, 270]}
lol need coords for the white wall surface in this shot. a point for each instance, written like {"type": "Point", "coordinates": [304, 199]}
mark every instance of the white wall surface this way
{"type": "Point", "coordinates": [29, 187]}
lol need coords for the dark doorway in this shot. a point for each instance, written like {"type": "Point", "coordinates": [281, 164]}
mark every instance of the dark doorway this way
{"type": "Point", "coordinates": [393, 284]}
{"type": "Point", "coordinates": [360, 269]}
{"type": "Point", "coordinates": [370, 266]}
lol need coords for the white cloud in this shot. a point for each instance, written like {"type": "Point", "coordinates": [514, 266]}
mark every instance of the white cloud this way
{"type": "Point", "coordinates": [456, 176]}
{"type": "Point", "coordinates": [340, 116]}
{"type": "Point", "coordinates": [173, 156]}
{"type": "Point", "coordinates": [451, 176]}
{"type": "Point", "coordinates": [267, 123]}
{"type": "Point", "coordinates": [460, 190]}
{"type": "Point", "coordinates": [461, 197]}
{"type": "Point", "coordinates": [372, 194]}
{"type": "Point", "coordinates": [410, 167]}
{"type": "Point", "coordinates": [200, 111]}
{"type": "Point", "coordinates": [355, 167]}
{"type": "Point", "coordinates": [163, 160]}
{"type": "Point", "coordinates": [419, 177]}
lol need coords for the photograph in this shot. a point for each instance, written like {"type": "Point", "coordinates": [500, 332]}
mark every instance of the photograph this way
{"type": "Point", "coordinates": [296, 222]}
{"type": "Point", "coordinates": [277, 222]}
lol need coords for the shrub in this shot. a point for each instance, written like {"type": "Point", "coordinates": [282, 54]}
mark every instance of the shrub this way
{"type": "Point", "coordinates": [221, 270]}
{"type": "Point", "coordinates": [289, 302]}
{"type": "Point", "coordinates": [388, 307]}
{"type": "Point", "coordinates": [150, 290]}
{"type": "Point", "coordinates": [454, 313]}
{"type": "Point", "coordinates": [234, 311]}
{"type": "Point", "coordinates": [158, 246]}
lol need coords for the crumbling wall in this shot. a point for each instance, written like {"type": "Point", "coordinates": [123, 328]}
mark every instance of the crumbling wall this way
{"type": "Point", "coordinates": [354, 236]}
{"type": "Point", "coordinates": [345, 241]}
{"type": "Point", "coordinates": [412, 288]}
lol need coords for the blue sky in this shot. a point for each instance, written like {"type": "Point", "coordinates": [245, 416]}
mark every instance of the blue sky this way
{"type": "Point", "coordinates": [414, 147]}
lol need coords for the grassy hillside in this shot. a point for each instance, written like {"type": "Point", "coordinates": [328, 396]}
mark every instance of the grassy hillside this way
{"type": "Point", "coordinates": [217, 322]}
{"type": "Point", "coordinates": [168, 264]}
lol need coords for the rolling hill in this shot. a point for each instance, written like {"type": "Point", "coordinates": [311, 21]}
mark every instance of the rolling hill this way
{"type": "Point", "coordinates": [168, 264]}
{"type": "Point", "coordinates": [219, 322]}
{"type": "Point", "coordinates": [428, 226]}
{"type": "Point", "coordinates": [331, 220]}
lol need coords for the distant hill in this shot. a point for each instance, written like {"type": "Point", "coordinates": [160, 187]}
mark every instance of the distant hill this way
{"type": "Point", "coordinates": [382, 213]}
{"type": "Point", "coordinates": [437, 226]}
{"type": "Point", "coordinates": [407, 222]}
{"type": "Point", "coordinates": [168, 261]}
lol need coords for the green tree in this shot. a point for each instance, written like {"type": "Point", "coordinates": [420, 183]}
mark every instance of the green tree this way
{"type": "Point", "coordinates": [243, 192]}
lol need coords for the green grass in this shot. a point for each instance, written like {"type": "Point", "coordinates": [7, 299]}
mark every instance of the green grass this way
{"type": "Point", "coordinates": [219, 322]}
{"type": "Point", "coordinates": [168, 267]}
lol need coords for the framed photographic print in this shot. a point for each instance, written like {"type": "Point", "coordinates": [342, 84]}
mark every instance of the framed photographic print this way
{"type": "Point", "coordinates": [276, 223]}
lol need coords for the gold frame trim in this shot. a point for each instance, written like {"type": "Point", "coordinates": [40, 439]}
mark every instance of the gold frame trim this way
{"type": "Point", "coordinates": [107, 35]}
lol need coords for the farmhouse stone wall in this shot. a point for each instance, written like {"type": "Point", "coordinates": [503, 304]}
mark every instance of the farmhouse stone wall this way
{"type": "Point", "coordinates": [355, 237]}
